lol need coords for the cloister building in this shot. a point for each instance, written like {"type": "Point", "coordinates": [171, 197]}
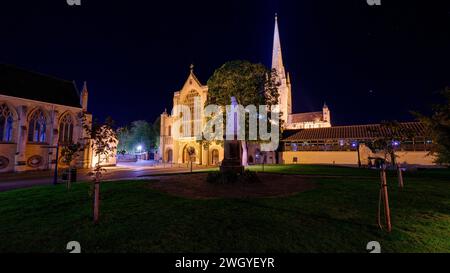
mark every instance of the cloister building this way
{"type": "Point", "coordinates": [349, 145]}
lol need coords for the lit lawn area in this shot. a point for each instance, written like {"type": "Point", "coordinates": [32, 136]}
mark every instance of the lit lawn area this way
{"type": "Point", "coordinates": [339, 215]}
{"type": "Point", "coordinates": [322, 170]}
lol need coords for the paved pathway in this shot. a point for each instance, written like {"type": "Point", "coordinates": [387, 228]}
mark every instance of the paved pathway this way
{"type": "Point", "coordinates": [139, 170]}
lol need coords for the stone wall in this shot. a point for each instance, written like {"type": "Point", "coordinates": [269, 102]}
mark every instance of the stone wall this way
{"type": "Point", "coordinates": [28, 156]}
{"type": "Point", "coordinates": [351, 158]}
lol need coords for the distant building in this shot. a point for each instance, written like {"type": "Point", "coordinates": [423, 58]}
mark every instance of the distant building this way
{"type": "Point", "coordinates": [38, 112]}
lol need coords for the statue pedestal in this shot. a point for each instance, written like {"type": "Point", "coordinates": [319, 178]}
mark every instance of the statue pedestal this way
{"type": "Point", "coordinates": [232, 157]}
{"type": "Point", "coordinates": [232, 148]}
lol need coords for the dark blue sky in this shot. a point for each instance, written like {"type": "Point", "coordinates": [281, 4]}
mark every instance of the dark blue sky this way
{"type": "Point", "coordinates": [369, 63]}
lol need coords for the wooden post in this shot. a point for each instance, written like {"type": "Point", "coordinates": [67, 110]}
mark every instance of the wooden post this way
{"type": "Point", "coordinates": [359, 156]}
{"type": "Point", "coordinates": [387, 211]}
{"type": "Point", "coordinates": [400, 177]}
{"type": "Point", "coordinates": [96, 200]}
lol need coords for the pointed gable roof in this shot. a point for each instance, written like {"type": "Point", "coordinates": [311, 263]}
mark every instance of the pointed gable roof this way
{"type": "Point", "coordinates": [192, 79]}
{"type": "Point", "coordinates": [25, 84]}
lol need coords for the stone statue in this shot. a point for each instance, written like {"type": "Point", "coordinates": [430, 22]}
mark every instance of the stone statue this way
{"type": "Point", "coordinates": [232, 148]}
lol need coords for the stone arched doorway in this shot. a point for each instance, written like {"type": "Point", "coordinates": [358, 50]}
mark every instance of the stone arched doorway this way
{"type": "Point", "coordinates": [186, 157]}
{"type": "Point", "coordinates": [169, 156]}
{"type": "Point", "coordinates": [215, 157]}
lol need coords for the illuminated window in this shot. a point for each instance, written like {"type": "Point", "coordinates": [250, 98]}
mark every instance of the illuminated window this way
{"type": "Point", "coordinates": [195, 112]}
{"type": "Point", "coordinates": [66, 130]}
{"type": "Point", "coordinates": [6, 123]}
{"type": "Point", "coordinates": [37, 127]}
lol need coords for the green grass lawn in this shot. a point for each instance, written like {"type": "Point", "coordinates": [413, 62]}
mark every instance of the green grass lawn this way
{"type": "Point", "coordinates": [338, 216]}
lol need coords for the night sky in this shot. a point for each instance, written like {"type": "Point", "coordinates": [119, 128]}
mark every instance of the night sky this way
{"type": "Point", "coordinates": [369, 63]}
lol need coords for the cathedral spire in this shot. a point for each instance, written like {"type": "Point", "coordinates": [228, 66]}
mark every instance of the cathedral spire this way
{"type": "Point", "coordinates": [277, 57]}
{"type": "Point", "coordinates": [84, 97]}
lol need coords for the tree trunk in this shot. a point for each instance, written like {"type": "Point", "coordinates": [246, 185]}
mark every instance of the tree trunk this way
{"type": "Point", "coordinates": [400, 177]}
{"type": "Point", "coordinates": [96, 200]}
{"type": "Point", "coordinates": [393, 160]}
{"type": "Point", "coordinates": [384, 190]}
{"type": "Point", "coordinates": [69, 178]}
{"type": "Point", "coordinates": [69, 181]}
{"type": "Point", "coordinates": [244, 153]}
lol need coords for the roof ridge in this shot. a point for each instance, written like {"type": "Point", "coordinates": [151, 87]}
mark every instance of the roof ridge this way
{"type": "Point", "coordinates": [306, 113]}
{"type": "Point", "coordinates": [22, 83]}
{"type": "Point", "coordinates": [348, 131]}
{"type": "Point", "coordinates": [35, 72]}
{"type": "Point", "coordinates": [370, 124]}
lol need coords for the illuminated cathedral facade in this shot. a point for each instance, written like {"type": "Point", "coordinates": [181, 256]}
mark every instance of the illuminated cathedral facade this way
{"type": "Point", "coordinates": [174, 149]}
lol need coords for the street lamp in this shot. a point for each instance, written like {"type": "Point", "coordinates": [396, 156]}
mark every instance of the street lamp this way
{"type": "Point", "coordinates": [55, 175]}
{"type": "Point", "coordinates": [139, 148]}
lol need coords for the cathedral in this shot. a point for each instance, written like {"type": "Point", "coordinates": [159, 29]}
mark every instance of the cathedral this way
{"type": "Point", "coordinates": [320, 119]}
{"type": "Point", "coordinates": [174, 149]}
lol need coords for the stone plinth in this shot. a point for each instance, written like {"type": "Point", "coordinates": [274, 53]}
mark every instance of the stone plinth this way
{"type": "Point", "coordinates": [232, 157]}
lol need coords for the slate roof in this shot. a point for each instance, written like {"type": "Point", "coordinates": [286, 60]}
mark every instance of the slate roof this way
{"type": "Point", "coordinates": [306, 117]}
{"type": "Point", "coordinates": [354, 132]}
{"type": "Point", "coordinates": [21, 83]}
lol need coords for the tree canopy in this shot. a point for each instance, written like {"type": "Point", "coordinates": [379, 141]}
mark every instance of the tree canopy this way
{"type": "Point", "coordinates": [139, 133]}
{"type": "Point", "coordinates": [438, 127]}
{"type": "Point", "coordinates": [250, 84]}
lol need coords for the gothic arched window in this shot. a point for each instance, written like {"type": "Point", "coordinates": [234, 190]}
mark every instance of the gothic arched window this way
{"type": "Point", "coordinates": [6, 124]}
{"type": "Point", "coordinates": [37, 127]}
{"type": "Point", "coordinates": [66, 129]}
{"type": "Point", "coordinates": [195, 111]}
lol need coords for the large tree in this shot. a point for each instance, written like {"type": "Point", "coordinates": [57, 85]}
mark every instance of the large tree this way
{"type": "Point", "coordinates": [249, 83]}
{"type": "Point", "coordinates": [438, 128]}
{"type": "Point", "coordinates": [125, 141]}
{"type": "Point", "coordinates": [156, 132]}
{"type": "Point", "coordinates": [139, 133]}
